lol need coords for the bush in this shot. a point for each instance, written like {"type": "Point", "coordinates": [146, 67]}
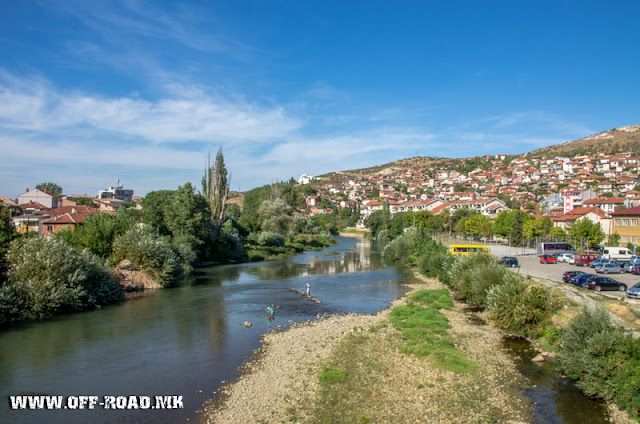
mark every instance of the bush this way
{"type": "Point", "coordinates": [397, 249]}
{"type": "Point", "coordinates": [270, 238]}
{"type": "Point", "coordinates": [46, 276]}
{"type": "Point", "coordinates": [519, 307]}
{"type": "Point", "coordinates": [150, 253]}
{"type": "Point", "coordinates": [466, 273]}
{"type": "Point", "coordinates": [603, 358]}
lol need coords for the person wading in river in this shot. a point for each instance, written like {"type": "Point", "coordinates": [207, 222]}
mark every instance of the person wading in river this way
{"type": "Point", "coordinates": [308, 290]}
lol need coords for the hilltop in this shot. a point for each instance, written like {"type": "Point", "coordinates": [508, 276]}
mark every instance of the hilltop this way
{"type": "Point", "coordinates": [623, 139]}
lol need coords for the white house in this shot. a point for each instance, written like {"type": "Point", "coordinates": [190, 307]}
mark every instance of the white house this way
{"type": "Point", "coordinates": [38, 196]}
{"type": "Point", "coordinates": [305, 179]}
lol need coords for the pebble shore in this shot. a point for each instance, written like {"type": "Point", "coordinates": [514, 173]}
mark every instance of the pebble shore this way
{"type": "Point", "coordinates": [283, 374]}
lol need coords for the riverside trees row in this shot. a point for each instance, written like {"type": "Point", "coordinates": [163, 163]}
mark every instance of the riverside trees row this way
{"type": "Point", "coordinates": [514, 225]}
{"type": "Point", "coordinates": [173, 232]}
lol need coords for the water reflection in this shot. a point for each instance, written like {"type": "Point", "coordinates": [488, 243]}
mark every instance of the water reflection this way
{"type": "Point", "coordinates": [556, 400]}
{"type": "Point", "coordinates": [179, 341]}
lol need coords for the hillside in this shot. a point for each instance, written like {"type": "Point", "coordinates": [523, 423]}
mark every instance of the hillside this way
{"type": "Point", "coordinates": [617, 140]}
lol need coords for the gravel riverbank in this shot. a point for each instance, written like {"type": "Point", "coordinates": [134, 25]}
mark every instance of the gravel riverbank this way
{"type": "Point", "coordinates": [281, 382]}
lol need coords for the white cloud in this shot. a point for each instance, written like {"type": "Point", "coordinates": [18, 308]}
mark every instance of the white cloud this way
{"type": "Point", "coordinates": [184, 114]}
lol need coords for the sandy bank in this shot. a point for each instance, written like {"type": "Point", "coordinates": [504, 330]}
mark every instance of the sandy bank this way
{"type": "Point", "coordinates": [282, 380]}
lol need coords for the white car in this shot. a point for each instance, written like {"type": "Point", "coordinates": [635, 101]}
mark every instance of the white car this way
{"type": "Point", "coordinates": [566, 258]}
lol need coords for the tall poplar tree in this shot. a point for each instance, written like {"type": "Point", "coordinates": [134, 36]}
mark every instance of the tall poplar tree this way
{"type": "Point", "coordinates": [215, 188]}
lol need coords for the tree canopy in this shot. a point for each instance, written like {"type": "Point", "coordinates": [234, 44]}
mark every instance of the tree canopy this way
{"type": "Point", "coordinates": [50, 187]}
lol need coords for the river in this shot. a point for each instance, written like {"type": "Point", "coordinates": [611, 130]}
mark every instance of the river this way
{"type": "Point", "coordinates": [183, 341]}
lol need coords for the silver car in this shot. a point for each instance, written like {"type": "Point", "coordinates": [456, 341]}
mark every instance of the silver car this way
{"type": "Point", "coordinates": [609, 269]}
{"type": "Point", "coordinates": [634, 291]}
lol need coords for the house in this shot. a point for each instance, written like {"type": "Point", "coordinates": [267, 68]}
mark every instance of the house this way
{"type": "Point", "coordinates": [117, 192]}
{"type": "Point", "coordinates": [625, 223]}
{"type": "Point", "coordinates": [608, 204]}
{"type": "Point", "coordinates": [53, 225]}
{"type": "Point", "coordinates": [39, 196]}
{"type": "Point", "coordinates": [592, 213]}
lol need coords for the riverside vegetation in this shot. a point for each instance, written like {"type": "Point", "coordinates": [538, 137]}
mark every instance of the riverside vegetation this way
{"type": "Point", "coordinates": [173, 232]}
{"type": "Point", "coordinates": [601, 356]}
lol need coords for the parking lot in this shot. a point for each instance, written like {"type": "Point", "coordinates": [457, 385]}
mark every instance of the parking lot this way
{"type": "Point", "coordinates": [552, 273]}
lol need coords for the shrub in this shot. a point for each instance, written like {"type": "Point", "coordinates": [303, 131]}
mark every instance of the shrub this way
{"type": "Point", "coordinates": [591, 351]}
{"type": "Point", "coordinates": [464, 274]}
{"type": "Point", "coordinates": [520, 307]}
{"type": "Point", "coordinates": [46, 276]}
{"type": "Point", "coordinates": [150, 253]}
{"type": "Point", "coordinates": [270, 238]}
{"type": "Point", "coordinates": [397, 249]}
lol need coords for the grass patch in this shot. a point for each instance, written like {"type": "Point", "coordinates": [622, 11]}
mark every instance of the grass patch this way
{"type": "Point", "coordinates": [332, 375]}
{"type": "Point", "coordinates": [424, 330]}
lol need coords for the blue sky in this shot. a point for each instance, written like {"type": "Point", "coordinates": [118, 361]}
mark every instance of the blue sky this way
{"type": "Point", "coordinates": [91, 91]}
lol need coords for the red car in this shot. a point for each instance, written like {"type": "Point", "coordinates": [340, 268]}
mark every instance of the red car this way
{"type": "Point", "coordinates": [548, 259]}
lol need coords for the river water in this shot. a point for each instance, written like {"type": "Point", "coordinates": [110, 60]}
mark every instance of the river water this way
{"type": "Point", "coordinates": [183, 341]}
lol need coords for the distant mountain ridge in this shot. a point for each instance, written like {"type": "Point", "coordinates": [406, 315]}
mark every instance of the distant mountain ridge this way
{"type": "Point", "coordinates": [617, 140]}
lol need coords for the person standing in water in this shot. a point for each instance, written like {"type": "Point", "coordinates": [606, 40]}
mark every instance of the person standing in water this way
{"type": "Point", "coordinates": [308, 290]}
{"type": "Point", "coordinates": [271, 312]}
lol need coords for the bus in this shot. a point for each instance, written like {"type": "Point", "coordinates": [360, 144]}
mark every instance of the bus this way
{"type": "Point", "coordinates": [465, 249]}
{"type": "Point", "coordinates": [555, 248]}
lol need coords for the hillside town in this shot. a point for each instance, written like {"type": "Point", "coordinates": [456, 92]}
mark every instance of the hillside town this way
{"type": "Point", "coordinates": [602, 188]}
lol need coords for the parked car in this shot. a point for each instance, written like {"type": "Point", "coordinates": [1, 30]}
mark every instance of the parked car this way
{"type": "Point", "coordinates": [634, 291]}
{"type": "Point", "coordinates": [565, 257]}
{"type": "Point", "coordinates": [509, 261]}
{"type": "Point", "coordinates": [580, 279]}
{"type": "Point", "coordinates": [611, 268]}
{"type": "Point", "coordinates": [627, 266]}
{"type": "Point", "coordinates": [600, 261]}
{"type": "Point", "coordinates": [585, 258]}
{"type": "Point", "coordinates": [604, 283]}
{"type": "Point", "coordinates": [548, 259]}
{"type": "Point", "coordinates": [570, 274]}
{"type": "Point", "coordinates": [635, 269]}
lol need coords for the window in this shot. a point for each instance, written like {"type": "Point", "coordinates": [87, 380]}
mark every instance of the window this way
{"type": "Point", "coordinates": [625, 239]}
{"type": "Point", "coordinates": [634, 222]}
{"type": "Point", "coordinates": [617, 221]}
{"type": "Point", "coordinates": [625, 222]}
{"type": "Point", "coordinates": [50, 228]}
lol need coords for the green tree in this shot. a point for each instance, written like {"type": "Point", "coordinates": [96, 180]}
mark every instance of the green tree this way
{"type": "Point", "coordinates": [154, 206]}
{"type": "Point", "coordinates": [50, 187]}
{"type": "Point", "coordinates": [7, 235]}
{"type": "Point", "coordinates": [461, 215]}
{"type": "Point", "coordinates": [215, 189]}
{"type": "Point", "coordinates": [187, 215]}
{"type": "Point", "coordinates": [375, 222]}
{"type": "Point", "coordinates": [584, 229]}
{"type": "Point", "coordinates": [86, 201]}
{"type": "Point", "coordinates": [276, 216]}
{"type": "Point", "coordinates": [478, 225]}
{"type": "Point", "coordinates": [517, 228]}
{"type": "Point", "coordinates": [558, 233]}
{"type": "Point", "coordinates": [97, 233]}
{"type": "Point", "coordinates": [614, 240]}
{"type": "Point", "coordinates": [538, 227]}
